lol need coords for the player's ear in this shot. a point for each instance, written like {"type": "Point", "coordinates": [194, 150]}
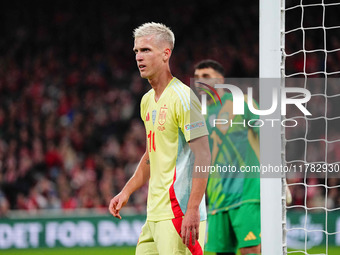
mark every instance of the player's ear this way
{"type": "Point", "coordinates": [166, 54]}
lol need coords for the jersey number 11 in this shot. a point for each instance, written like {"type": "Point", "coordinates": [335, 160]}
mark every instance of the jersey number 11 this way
{"type": "Point", "coordinates": [151, 138]}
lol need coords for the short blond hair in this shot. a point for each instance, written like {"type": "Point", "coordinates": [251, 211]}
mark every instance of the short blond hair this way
{"type": "Point", "coordinates": [163, 32]}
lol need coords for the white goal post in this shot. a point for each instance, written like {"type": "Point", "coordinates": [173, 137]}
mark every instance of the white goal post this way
{"type": "Point", "coordinates": [299, 40]}
{"type": "Point", "coordinates": [272, 215]}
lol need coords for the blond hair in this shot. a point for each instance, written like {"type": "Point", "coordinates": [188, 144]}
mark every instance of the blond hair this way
{"type": "Point", "coordinates": [163, 32]}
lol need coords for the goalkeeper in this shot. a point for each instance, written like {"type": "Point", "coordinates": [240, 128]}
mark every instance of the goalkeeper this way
{"type": "Point", "coordinates": [234, 200]}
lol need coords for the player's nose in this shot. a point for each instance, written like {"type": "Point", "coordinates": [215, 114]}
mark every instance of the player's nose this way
{"type": "Point", "coordinates": [139, 57]}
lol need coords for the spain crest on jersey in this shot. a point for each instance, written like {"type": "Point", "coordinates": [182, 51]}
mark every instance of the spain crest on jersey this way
{"type": "Point", "coordinates": [162, 115]}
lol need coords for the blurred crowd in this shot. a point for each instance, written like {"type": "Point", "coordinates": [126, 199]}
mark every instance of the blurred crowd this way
{"type": "Point", "coordinates": [66, 142]}
{"type": "Point", "coordinates": [70, 132]}
{"type": "Point", "coordinates": [316, 139]}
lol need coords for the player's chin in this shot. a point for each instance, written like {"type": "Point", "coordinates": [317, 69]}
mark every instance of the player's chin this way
{"type": "Point", "coordinates": [142, 74]}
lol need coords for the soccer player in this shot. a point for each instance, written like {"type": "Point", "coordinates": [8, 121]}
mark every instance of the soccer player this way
{"type": "Point", "coordinates": [177, 141]}
{"type": "Point", "coordinates": [234, 203]}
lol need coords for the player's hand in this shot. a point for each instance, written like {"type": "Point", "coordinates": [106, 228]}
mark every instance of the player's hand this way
{"type": "Point", "coordinates": [190, 226]}
{"type": "Point", "coordinates": [117, 203]}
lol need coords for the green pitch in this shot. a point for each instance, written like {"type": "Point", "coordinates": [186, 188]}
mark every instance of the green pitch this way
{"type": "Point", "coordinates": [125, 251]}
{"type": "Point", "coordinates": [320, 250]}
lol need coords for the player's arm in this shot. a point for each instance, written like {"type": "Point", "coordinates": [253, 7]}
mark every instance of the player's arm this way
{"type": "Point", "coordinates": [139, 178]}
{"type": "Point", "coordinates": [191, 221]}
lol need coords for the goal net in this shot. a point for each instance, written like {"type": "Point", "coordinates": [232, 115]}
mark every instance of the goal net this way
{"type": "Point", "coordinates": [310, 46]}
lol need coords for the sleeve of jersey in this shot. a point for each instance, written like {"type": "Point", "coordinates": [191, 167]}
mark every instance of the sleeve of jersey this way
{"type": "Point", "coordinates": [190, 119]}
{"type": "Point", "coordinates": [142, 109]}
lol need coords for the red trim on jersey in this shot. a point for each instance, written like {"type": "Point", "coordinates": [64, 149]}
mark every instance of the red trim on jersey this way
{"type": "Point", "coordinates": [177, 221]}
{"type": "Point", "coordinates": [176, 209]}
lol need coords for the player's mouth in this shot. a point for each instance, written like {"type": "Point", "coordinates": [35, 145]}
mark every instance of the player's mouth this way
{"type": "Point", "coordinates": [141, 67]}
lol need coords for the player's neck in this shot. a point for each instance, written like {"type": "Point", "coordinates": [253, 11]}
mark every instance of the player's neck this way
{"type": "Point", "coordinates": [159, 83]}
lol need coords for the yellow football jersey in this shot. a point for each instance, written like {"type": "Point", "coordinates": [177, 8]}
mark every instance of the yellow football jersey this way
{"type": "Point", "coordinates": [170, 123]}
